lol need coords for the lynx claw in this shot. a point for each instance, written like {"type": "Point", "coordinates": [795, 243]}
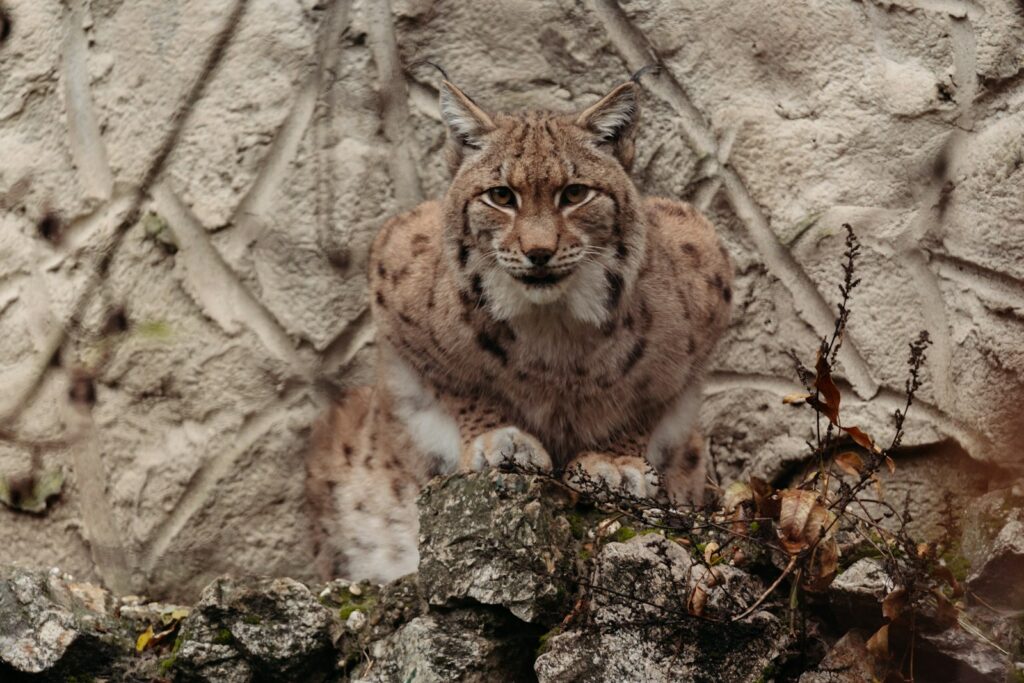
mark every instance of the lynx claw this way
{"type": "Point", "coordinates": [508, 446]}
{"type": "Point", "coordinates": [634, 475]}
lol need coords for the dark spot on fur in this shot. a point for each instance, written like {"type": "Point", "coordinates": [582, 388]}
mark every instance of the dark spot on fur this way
{"type": "Point", "coordinates": [463, 254]}
{"type": "Point", "coordinates": [476, 283]}
{"type": "Point", "coordinates": [615, 285]}
{"type": "Point", "coordinates": [646, 317]}
{"type": "Point", "coordinates": [521, 375]}
{"type": "Point", "coordinates": [396, 488]}
{"type": "Point", "coordinates": [360, 506]}
{"type": "Point", "coordinates": [348, 451]}
{"type": "Point", "coordinates": [419, 244]}
{"type": "Point", "coordinates": [609, 326]}
{"type": "Point", "coordinates": [691, 458]}
{"type": "Point", "coordinates": [381, 270]}
{"type": "Point", "coordinates": [692, 251]}
{"type": "Point", "coordinates": [635, 354]}
{"type": "Point", "coordinates": [621, 250]}
{"type": "Point", "coordinates": [380, 299]}
{"type": "Point", "coordinates": [400, 274]}
{"type": "Point", "coordinates": [716, 281]}
{"type": "Point", "coordinates": [506, 332]}
{"type": "Point", "coordinates": [727, 294]}
{"type": "Point", "coordinates": [491, 346]}
{"type": "Point", "coordinates": [691, 344]}
{"type": "Point", "coordinates": [628, 321]}
{"type": "Point", "coordinates": [406, 319]}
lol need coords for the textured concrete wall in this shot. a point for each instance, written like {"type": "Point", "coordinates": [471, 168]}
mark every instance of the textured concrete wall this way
{"type": "Point", "coordinates": [188, 189]}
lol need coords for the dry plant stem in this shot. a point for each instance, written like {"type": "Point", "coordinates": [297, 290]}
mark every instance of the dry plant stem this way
{"type": "Point", "coordinates": [764, 596]}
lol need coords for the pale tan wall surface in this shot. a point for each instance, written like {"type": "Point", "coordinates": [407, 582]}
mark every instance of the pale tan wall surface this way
{"type": "Point", "coordinates": [243, 282]}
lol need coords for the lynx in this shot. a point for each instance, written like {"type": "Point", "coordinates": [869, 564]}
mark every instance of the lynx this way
{"type": "Point", "coordinates": [542, 312]}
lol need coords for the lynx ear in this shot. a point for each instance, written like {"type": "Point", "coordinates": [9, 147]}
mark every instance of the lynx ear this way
{"type": "Point", "coordinates": [467, 123]}
{"type": "Point", "coordinates": [613, 120]}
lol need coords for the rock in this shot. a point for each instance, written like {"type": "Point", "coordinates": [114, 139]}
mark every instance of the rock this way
{"type": "Point", "coordinates": [370, 613]}
{"type": "Point", "coordinates": [857, 593]}
{"type": "Point", "coordinates": [640, 628]}
{"type": "Point", "coordinates": [498, 539]}
{"type": "Point", "coordinates": [49, 624]}
{"type": "Point", "coordinates": [956, 655]}
{"type": "Point", "coordinates": [244, 630]}
{"type": "Point", "coordinates": [982, 521]}
{"type": "Point", "coordinates": [847, 662]}
{"type": "Point", "coordinates": [473, 645]}
{"type": "Point", "coordinates": [997, 579]}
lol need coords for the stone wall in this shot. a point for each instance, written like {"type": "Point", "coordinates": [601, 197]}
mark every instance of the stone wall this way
{"type": "Point", "coordinates": [188, 189]}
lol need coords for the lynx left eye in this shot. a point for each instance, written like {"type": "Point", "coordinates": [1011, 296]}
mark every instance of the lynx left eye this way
{"type": "Point", "coordinates": [574, 194]}
{"type": "Point", "coordinates": [502, 196]}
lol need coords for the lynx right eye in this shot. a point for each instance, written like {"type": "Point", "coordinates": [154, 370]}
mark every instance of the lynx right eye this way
{"type": "Point", "coordinates": [502, 196]}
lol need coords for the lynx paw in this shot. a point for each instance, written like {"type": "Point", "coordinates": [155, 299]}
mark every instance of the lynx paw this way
{"type": "Point", "coordinates": [508, 445]}
{"type": "Point", "coordinates": [632, 473]}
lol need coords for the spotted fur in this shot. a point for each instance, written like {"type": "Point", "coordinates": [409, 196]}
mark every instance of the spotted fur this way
{"type": "Point", "coordinates": [593, 358]}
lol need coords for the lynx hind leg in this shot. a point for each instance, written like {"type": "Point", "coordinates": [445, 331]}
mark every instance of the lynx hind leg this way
{"type": "Point", "coordinates": [362, 504]}
{"type": "Point", "coordinates": [334, 442]}
{"type": "Point", "coordinates": [629, 472]}
{"type": "Point", "coordinates": [507, 445]}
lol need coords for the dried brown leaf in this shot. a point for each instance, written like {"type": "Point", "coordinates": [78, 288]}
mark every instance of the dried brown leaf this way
{"type": "Point", "coordinates": [765, 500]}
{"type": "Point", "coordinates": [823, 566]}
{"type": "Point", "coordinates": [736, 494]}
{"type": "Point", "coordinates": [850, 462]}
{"type": "Point", "coordinates": [894, 604]}
{"type": "Point", "coordinates": [802, 519]}
{"type": "Point", "coordinates": [878, 646]}
{"type": "Point", "coordinates": [709, 551]}
{"type": "Point", "coordinates": [827, 389]}
{"type": "Point", "coordinates": [697, 600]}
{"type": "Point", "coordinates": [861, 439]}
{"type": "Point", "coordinates": [891, 464]}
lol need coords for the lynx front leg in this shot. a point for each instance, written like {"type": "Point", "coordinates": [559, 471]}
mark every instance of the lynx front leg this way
{"type": "Point", "coordinates": [668, 461]}
{"type": "Point", "coordinates": [489, 441]}
{"type": "Point", "coordinates": [507, 445]}
{"type": "Point", "coordinates": [630, 472]}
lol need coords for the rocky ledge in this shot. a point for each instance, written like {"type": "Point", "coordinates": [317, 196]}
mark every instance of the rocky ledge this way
{"type": "Point", "coordinates": [518, 581]}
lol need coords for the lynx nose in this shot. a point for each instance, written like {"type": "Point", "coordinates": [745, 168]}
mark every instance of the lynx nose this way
{"type": "Point", "coordinates": [539, 256]}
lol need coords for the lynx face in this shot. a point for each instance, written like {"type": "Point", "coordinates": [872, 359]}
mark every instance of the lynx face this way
{"type": "Point", "coordinates": [541, 212]}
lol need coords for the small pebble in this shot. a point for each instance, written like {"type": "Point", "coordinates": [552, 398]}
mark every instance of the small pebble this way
{"type": "Point", "coordinates": [355, 621]}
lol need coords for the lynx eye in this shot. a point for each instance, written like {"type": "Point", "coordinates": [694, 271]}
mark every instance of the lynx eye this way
{"type": "Point", "coordinates": [574, 194]}
{"type": "Point", "coordinates": [502, 196]}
